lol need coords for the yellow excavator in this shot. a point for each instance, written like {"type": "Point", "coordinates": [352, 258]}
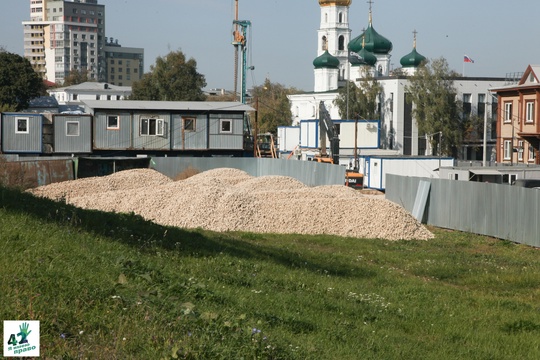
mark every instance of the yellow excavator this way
{"type": "Point", "coordinates": [353, 178]}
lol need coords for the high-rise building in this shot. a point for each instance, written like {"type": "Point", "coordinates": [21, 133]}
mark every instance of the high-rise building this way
{"type": "Point", "coordinates": [125, 65]}
{"type": "Point", "coordinates": [62, 36]}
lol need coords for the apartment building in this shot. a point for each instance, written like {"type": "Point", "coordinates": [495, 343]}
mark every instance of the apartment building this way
{"type": "Point", "coordinates": [66, 35]}
{"type": "Point", "coordinates": [124, 65]}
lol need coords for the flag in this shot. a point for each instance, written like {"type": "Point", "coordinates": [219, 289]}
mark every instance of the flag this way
{"type": "Point", "coordinates": [467, 59]}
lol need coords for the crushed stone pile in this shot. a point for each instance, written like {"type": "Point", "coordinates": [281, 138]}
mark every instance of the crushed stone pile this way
{"type": "Point", "coordinates": [232, 200]}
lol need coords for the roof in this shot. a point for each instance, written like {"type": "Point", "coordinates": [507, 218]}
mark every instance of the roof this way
{"type": "Point", "coordinates": [484, 171]}
{"type": "Point", "coordinates": [43, 102]}
{"type": "Point", "coordinates": [168, 105]}
{"type": "Point", "coordinates": [93, 86]}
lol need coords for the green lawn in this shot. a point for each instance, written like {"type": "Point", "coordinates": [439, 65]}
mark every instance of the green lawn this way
{"type": "Point", "coordinates": [113, 286]}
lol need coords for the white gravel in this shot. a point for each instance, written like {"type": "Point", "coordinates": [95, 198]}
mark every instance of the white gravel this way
{"type": "Point", "coordinates": [232, 200]}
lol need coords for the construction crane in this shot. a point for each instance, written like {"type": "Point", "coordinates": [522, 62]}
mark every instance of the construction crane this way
{"type": "Point", "coordinates": [239, 42]}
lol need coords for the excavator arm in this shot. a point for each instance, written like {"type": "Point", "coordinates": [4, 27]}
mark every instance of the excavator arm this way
{"type": "Point", "coordinates": [329, 128]}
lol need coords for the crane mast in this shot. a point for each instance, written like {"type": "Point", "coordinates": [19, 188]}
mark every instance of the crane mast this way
{"type": "Point", "coordinates": [239, 42]}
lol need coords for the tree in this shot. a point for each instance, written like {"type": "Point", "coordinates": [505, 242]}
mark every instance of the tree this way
{"type": "Point", "coordinates": [274, 108]}
{"type": "Point", "coordinates": [19, 83]}
{"type": "Point", "coordinates": [76, 77]}
{"type": "Point", "coordinates": [362, 99]}
{"type": "Point", "coordinates": [172, 78]}
{"type": "Point", "coordinates": [435, 106]}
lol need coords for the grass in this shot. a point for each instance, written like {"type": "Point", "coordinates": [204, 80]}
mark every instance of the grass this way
{"type": "Point", "coordinates": [118, 287]}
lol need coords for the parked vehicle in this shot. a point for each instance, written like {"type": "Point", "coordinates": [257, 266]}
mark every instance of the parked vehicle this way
{"type": "Point", "coordinates": [527, 183]}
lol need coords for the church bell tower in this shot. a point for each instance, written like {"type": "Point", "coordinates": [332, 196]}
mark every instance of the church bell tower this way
{"type": "Point", "coordinates": [334, 32]}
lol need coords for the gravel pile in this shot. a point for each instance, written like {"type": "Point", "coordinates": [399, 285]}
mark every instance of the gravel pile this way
{"type": "Point", "coordinates": [232, 200]}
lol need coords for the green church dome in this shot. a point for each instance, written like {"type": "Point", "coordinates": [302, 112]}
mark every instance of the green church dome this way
{"type": "Point", "coordinates": [375, 42]}
{"type": "Point", "coordinates": [362, 57]}
{"type": "Point", "coordinates": [413, 59]}
{"type": "Point", "coordinates": [326, 61]}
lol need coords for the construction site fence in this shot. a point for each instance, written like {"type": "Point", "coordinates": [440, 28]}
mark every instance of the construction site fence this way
{"type": "Point", "coordinates": [497, 210]}
{"type": "Point", "coordinates": [308, 172]}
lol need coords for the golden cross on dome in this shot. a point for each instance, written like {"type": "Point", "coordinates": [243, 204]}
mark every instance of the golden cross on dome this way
{"type": "Point", "coordinates": [370, 2]}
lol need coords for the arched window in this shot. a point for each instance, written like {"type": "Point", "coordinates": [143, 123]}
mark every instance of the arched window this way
{"type": "Point", "coordinates": [324, 43]}
{"type": "Point", "coordinates": [325, 17]}
{"type": "Point", "coordinates": [340, 18]}
{"type": "Point", "coordinates": [341, 43]}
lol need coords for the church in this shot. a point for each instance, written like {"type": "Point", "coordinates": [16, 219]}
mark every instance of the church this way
{"type": "Point", "coordinates": [340, 58]}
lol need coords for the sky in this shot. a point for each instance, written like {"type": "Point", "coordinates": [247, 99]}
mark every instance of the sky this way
{"type": "Point", "coordinates": [501, 37]}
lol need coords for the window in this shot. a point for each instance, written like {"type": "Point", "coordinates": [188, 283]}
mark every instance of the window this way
{"type": "Point", "coordinates": [520, 150]}
{"type": "Point", "coordinates": [467, 108]}
{"type": "Point", "coordinates": [507, 149]}
{"type": "Point", "coordinates": [97, 97]}
{"type": "Point", "coordinates": [340, 17]}
{"type": "Point", "coordinates": [530, 111]}
{"type": "Point", "coordinates": [21, 125]}
{"type": "Point", "coordinates": [225, 126]}
{"type": "Point", "coordinates": [113, 123]}
{"type": "Point", "coordinates": [152, 127]}
{"type": "Point", "coordinates": [324, 45]}
{"type": "Point", "coordinates": [75, 96]}
{"type": "Point", "coordinates": [532, 153]}
{"type": "Point", "coordinates": [508, 112]}
{"type": "Point", "coordinates": [72, 128]}
{"type": "Point", "coordinates": [189, 124]}
{"type": "Point", "coordinates": [341, 45]}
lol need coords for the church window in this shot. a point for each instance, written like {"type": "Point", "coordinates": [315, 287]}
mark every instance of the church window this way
{"type": "Point", "coordinates": [341, 45]}
{"type": "Point", "coordinates": [340, 18]}
{"type": "Point", "coordinates": [324, 43]}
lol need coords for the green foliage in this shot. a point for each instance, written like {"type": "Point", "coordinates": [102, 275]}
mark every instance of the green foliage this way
{"type": "Point", "coordinates": [19, 83]}
{"type": "Point", "coordinates": [435, 106]}
{"type": "Point", "coordinates": [108, 285]}
{"type": "Point", "coordinates": [76, 77]}
{"type": "Point", "coordinates": [474, 128]}
{"type": "Point", "coordinates": [172, 78]}
{"type": "Point", "coordinates": [362, 99]}
{"type": "Point", "coordinates": [274, 108]}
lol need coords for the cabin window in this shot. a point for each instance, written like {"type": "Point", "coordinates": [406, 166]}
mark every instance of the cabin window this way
{"type": "Point", "coordinates": [72, 128]}
{"type": "Point", "coordinates": [189, 124]}
{"type": "Point", "coordinates": [152, 127]}
{"type": "Point", "coordinates": [225, 126]}
{"type": "Point", "coordinates": [21, 126]}
{"type": "Point", "coordinates": [113, 123]}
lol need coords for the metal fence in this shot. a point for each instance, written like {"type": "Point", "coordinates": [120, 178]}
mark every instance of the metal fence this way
{"type": "Point", "coordinates": [497, 210]}
{"type": "Point", "coordinates": [308, 172]}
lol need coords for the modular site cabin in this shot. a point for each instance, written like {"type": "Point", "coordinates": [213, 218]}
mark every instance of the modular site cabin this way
{"type": "Point", "coordinates": [131, 128]}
